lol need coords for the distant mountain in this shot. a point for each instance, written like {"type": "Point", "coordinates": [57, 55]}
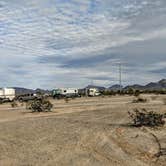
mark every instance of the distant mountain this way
{"type": "Point", "coordinates": [21, 91]}
{"type": "Point", "coordinates": [151, 86]}
{"type": "Point", "coordinates": [115, 87]}
{"type": "Point", "coordinates": [135, 86]}
{"type": "Point", "coordinates": [162, 82]}
{"type": "Point", "coordinates": [98, 87]}
{"type": "Point", "coordinates": [156, 85]}
{"type": "Point", "coordinates": [42, 91]}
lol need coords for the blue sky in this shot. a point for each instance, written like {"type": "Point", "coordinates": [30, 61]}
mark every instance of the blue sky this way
{"type": "Point", "coordinates": [68, 43]}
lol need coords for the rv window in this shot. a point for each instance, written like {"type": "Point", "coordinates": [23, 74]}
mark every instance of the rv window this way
{"type": "Point", "coordinates": [65, 91]}
{"type": "Point", "coordinates": [75, 90]}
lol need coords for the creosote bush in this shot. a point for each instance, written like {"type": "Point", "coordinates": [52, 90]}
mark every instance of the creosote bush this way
{"type": "Point", "coordinates": [40, 105]}
{"type": "Point", "coordinates": [140, 100]}
{"type": "Point", "coordinates": [67, 100]}
{"type": "Point", "coordinates": [154, 97]}
{"type": "Point", "coordinates": [137, 93]}
{"type": "Point", "coordinates": [14, 104]}
{"type": "Point", "coordinates": [164, 101]}
{"type": "Point", "coordinates": [144, 118]}
{"type": "Point", "coordinates": [1, 101]}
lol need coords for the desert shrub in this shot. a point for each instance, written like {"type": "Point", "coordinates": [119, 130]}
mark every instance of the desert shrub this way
{"type": "Point", "coordinates": [154, 97]}
{"type": "Point", "coordinates": [130, 91]}
{"type": "Point", "coordinates": [145, 118]}
{"type": "Point", "coordinates": [162, 92]}
{"type": "Point", "coordinates": [109, 93]}
{"type": "Point", "coordinates": [40, 105]}
{"type": "Point", "coordinates": [140, 100]}
{"type": "Point", "coordinates": [164, 101]}
{"type": "Point", "coordinates": [122, 92]}
{"type": "Point", "coordinates": [67, 99]}
{"type": "Point", "coordinates": [28, 104]}
{"type": "Point", "coordinates": [1, 101]}
{"type": "Point", "coordinates": [136, 93]}
{"type": "Point", "coordinates": [22, 103]}
{"type": "Point", "coordinates": [14, 104]}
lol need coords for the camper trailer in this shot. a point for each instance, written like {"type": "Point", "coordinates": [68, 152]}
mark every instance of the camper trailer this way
{"type": "Point", "coordinates": [65, 92]}
{"type": "Point", "coordinates": [7, 93]}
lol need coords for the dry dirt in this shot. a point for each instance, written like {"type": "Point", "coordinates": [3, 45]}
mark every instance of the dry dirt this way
{"type": "Point", "coordinates": [83, 132]}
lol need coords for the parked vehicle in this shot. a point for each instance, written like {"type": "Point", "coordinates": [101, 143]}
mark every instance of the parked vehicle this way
{"type": "Point", "coordinates": [7, 94]}
{"type": "Point", "coordinates": [65, 93]}
{"type": "Point", "coordinates": [56, 93]}
{"type": "Point", "coordinates": [26, 97]}
{"type": "Point", "coordinates": [93, 92]}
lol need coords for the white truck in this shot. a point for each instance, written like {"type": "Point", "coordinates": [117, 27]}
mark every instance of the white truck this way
{"type": "Point", "coordinates": [93, 92]}
{"type": "Point", "coordinates": [7, 93]}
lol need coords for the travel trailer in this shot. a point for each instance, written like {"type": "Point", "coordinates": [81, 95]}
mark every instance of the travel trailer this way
{"type": "Point", "coordinates": [7, 93]}
{"type": "Point", "coordinates": [65, 92]}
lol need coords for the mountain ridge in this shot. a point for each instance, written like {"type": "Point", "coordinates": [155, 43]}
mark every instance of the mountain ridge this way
{"type": "Point", "coordinates": [150, 86]}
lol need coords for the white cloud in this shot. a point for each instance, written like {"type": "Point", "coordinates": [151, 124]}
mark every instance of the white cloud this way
{"type": "Point", "coordinates": [72, 30]}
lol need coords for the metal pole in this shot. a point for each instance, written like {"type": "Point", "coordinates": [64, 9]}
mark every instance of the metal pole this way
{"type": "Point", "coordinates": [120, 77]}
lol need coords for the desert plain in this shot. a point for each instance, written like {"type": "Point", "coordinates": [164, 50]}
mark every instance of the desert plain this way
{"type": "Point", "coordinates": [87, 131]}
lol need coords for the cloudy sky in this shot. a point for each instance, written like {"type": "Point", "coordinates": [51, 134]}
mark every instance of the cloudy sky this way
{"type": "Point", "coordinates": [69, 43]}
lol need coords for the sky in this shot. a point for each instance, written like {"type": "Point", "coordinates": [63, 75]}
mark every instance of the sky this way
{"type": "Point", "coordinates": [72, 43]}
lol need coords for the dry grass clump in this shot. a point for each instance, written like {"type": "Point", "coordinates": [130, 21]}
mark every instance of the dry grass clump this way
{"type": "Point", "coordinates": [140, 100]}
{"type": "Point", "coordinates": [144, 118]}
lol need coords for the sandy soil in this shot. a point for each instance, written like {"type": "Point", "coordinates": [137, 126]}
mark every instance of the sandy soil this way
{"type": "Point", "coordinates": [82, 132]}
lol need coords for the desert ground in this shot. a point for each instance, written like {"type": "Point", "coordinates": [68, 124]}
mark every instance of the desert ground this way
{"type": "Point", "coordinates": [82, 132]}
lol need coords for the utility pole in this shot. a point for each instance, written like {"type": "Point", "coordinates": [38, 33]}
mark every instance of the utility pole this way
{"type": "Point", "coordinates": [120, 77]}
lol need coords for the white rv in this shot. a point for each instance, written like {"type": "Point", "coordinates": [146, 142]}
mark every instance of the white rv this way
{"type": "Point", "coordinates": [7, 93]}
{"type": "Point", "coordinates": [93, 92]}
{"type": "Point", "coordinates": [65, 92]}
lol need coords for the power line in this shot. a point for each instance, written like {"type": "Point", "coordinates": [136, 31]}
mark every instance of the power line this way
{"type": "Point", "coordinates": [120, 77]}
